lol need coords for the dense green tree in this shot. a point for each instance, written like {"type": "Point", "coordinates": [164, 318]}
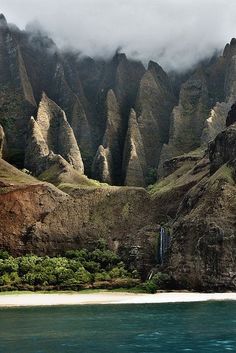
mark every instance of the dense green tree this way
{"type": "Point", "coordinates": [78, 268]}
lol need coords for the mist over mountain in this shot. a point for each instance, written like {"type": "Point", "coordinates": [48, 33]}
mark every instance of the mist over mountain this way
{"type": "Point", "coordinates": [176, 34]}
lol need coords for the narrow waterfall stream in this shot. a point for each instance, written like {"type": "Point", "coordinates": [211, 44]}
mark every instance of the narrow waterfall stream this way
{"type": "Point", "coordinates": [164, 242]}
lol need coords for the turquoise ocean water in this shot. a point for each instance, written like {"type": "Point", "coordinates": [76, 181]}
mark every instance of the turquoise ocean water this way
{"type": "Point", "coordinates": [160, 328]}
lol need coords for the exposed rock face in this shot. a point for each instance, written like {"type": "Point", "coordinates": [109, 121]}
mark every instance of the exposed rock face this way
{"type": "Point", "coordinates": [51, 132]}
{"type": "Point", "coordinates": [127, 79]}
{"type": "Point", "coordinates": [203, 244]}
{"type": "Point", "coordinates": [154, 105]}
{"type": "Point", "coordinates": [215, 122]}
{"type": "Point", "coordinates": [220, 114]}
{"type": "Point", "coordinates": [57, 132]}
{"type": "Point", "coordinates": [205, 100]}
{"type": "Point", "coordinates": [203, 247]}
{"type": "Point", "coordinates": [45, 164]}
{"type": "Point", "coordinates": [3, 145]}
{"type": "Point", "coordinates": [134, 161]}
{"type": "Point", "coordinates": [107, 163]}
{"type": "Point", "coordinates": [231, 117]}
{"type": "Point", "coordinates": [102, 165]}
{"type": "Point", "coordinates": [29, 201]}
{"type": "Point", "coordinates": [37, 149]}
{"type": "Point", "coordinates": [3, 21]}
{"type": "Point", "coordinates": [188, 118]}
{"type": "Point", "coordinates": [75, 111]}
{"type": "Point", "coordinates": [116, 95]}
{"type": "Point", "coordinates": [48, 221]}
{"type": "Point", "coordinates": [152, 94]}
{"type": "Point", "coordinates": [98, 78]}
{"type": "Point", "coordinates": [230, 58]}
{"type": "Point", "coordinates": [17, 101]}
{"type": "Point", "coordinates": [30, 63]}
{"type": "Point", "coordinates": [223, 148]}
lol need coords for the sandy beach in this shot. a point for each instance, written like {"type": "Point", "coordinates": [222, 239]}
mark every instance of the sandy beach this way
{"type": "Point", "coordinates": [47, 299]}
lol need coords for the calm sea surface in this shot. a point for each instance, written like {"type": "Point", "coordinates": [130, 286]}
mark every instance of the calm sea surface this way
{"type": "Point", "coordinates": [160, 328]}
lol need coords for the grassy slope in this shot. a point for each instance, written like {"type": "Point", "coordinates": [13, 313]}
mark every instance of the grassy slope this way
{"type": "Point", "coordinates": [12, 175]}
{"type": "Point", "coordinates": [67, 180]}
{"type": "Point", "coordinates": [174, 180]}
{"type": "Point", "coordinates": [224, 173]}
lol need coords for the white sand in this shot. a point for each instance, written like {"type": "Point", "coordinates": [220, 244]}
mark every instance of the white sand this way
{"type": "Point", "coordinates": [41, 299]}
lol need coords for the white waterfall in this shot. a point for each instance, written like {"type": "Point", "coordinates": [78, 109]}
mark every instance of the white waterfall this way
{"type": "Point", "coordinates": [164, 243]}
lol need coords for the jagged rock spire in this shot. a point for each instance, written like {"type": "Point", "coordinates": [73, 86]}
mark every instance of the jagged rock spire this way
{"type": "Point", "coordinates": [108, 156]}
{"type": "Point", "coordinates": [231, 118]}
{"type": "Point", "coordinates": [3, 145]}
{"type": "Point", "coordinates": [58, 133]}
{"type": "Point", "coordinates": [50, 133]}
{"type": "Point", "coordinates": [3, 21]}
{"type": "Point", "coordinates": [134, 162]}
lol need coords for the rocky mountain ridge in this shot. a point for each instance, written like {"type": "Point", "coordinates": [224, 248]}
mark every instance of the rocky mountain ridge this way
{"type": "Point", "coordinates": [97, 97]}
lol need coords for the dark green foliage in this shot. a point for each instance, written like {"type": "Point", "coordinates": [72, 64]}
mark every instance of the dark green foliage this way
{"type": "Point", "coordinates": [151, 176]}
{"type": "Point", "coordinates": [101, 244]}
{"type": "Point", "coordinates": [106, 258]}
{"type": "Point", "coordinates": [4, 254]}
{"type": "Point", "coordinates": [150, 286]}
{"type": "Point", "coordinates": [159, 281]}
{"type": "Point", "coordinates": [77, 269]}
{"type": "Point", "coordinates": [79, 255]}
{"type": "Point", "coordinates": [101, 258]}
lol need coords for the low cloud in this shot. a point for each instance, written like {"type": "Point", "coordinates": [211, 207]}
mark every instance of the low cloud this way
{"type": "Point", "coordinates": [176, 33]}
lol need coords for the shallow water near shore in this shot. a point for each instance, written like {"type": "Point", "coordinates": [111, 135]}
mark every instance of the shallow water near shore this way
{"type": "Point", "coordinates": [146, 328]}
